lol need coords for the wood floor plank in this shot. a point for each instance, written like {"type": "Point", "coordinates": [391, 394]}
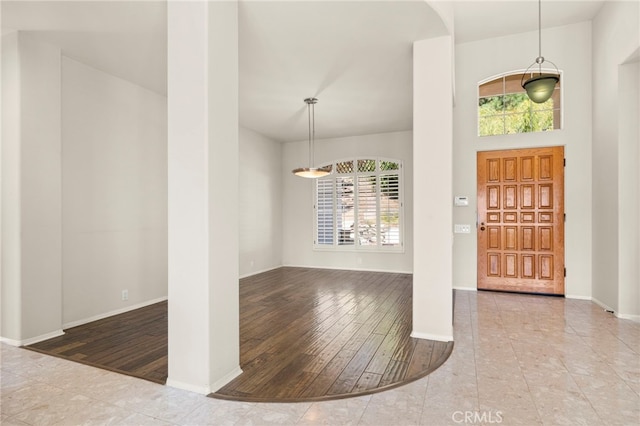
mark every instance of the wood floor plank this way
{"type": "Point", "coordinates": [321, 359]}
{"type": "Point", "coordinates": [396, 372]}
{"type": "Point", "coordinates": [381, 359]}
{"type": "Point", "coordinates": [367, 382]}
{"type": "Point", "coordinates": [351, 374]}
{"type": "Point", "coordinates": [324, 380]}
{"type": "Point", "coordinates": [305, 334]}
{"type": "Point", "coordinates": [421, 359]}
{"type": "Point", "coordinates": [133, 343]}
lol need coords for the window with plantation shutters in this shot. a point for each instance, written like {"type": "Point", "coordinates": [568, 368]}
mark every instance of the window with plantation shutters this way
{"type": "Point", "coordinates": [324, 212]}
{"type": "Point", "coordinates": [359, 206]}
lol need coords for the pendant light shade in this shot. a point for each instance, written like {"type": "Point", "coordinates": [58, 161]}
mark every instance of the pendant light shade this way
{"type": "Point", "coordinates": [311, 171]}
{"type": "Point", "coordinates": [540, 86]}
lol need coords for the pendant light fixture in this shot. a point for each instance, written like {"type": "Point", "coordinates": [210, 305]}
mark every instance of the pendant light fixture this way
{"type": "Point", "coordinates": [540, 87]}
{"type": "Point", "coordinates": [311, 171]}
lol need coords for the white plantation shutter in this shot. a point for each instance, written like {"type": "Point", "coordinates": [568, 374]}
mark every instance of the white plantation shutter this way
{"type": "Point", "coordinates": [367, 210]}
{"type": "Point", "coordinates": [324, 212]}
{"type": "Point", "coordinates": [390, 213]}
{"type": "Point", "coordinates": [360, 205]}
{"type": "Point", "coordinates": [345, 210]}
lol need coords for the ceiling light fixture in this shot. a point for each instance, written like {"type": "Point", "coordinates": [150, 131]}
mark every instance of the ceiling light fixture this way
{"type": "Point", "coordinates": [540, 87]}
{"type": "Point", "coordinates": [311, 172]}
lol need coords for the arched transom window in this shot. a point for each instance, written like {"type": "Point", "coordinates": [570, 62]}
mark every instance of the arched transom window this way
{"type": "Point", "coordinates": [504, 108]}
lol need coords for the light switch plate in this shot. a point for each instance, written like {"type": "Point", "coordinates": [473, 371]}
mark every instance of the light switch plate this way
{"type": "Point", "coordinates": [462, 229]}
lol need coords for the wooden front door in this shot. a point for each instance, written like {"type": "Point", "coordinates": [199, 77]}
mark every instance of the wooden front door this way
{"type": "Point", "coordinates": [521, 220]}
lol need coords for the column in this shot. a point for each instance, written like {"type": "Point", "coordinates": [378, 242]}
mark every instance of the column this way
{"type": "Point", "coordinates": [432, 189]}
{"type": "Point", "coordinates": [202, 192]}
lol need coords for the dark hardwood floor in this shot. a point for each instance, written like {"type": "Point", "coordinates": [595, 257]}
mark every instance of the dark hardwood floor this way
{"type": "Point", "coordinates": [312, 334]}
{"type": "Point", "coordinates": [133, 343]}
{"type": "Point", "coordinates": [305, 334]}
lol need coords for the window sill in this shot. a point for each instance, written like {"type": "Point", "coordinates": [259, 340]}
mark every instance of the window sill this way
{"type": "Point", "coordinates": [352, 249]}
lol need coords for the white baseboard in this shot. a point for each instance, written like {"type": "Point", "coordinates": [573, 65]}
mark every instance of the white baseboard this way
{"type": "Point", "coordinates": [631, 317]}
{"type": "Point", "coordinates": [455, 287]}
{"type": "Point", "coordinates": [250, 274]}
{"type": "Point", "coordinates": [205, 390]}
{"type": "Point", "coordinates": [577, 297]}
{"type": "Point", "coordinates": [202, 390]}
{"type": "Point", "coordinates": [428, 336]}
{"type": "Point", "coordinates": [226, 379]}
{"type": "Point", "coordinates": [32, 340]}
{"type": "Point", "coordinates": [11, 342]}
{"type": "Point", "coordinates": [112, 313]}
{"type": "Point", "coordinates": [341, 268]}
{"type": "Point", "coordinates": [602, 305]}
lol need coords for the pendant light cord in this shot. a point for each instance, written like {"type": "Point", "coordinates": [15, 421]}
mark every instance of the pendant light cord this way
{"type": "Point", "coordinates": [539, 88]}
{"type": "Point", "coordinates": [311, 132]}
{"type": "Point", "coordinates": [540, 36]}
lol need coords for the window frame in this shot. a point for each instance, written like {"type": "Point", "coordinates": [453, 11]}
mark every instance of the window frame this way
{"type": "Point", "coordinates": [519, 74]}
{"type": "Point", "coordinates": [333, 177]}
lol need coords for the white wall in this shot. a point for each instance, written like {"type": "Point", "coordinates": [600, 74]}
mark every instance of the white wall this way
{"type": "Point", "coordinates": [260, 194]}
{"type": "Point", "coordinates": [615, 38]}
{"type": "Point", "coordinates": [40, 186]}
{"type": "Point", "coordinates": [32, 191]}
{"type": "Point", "coordinates": [629, 190]}
{"type": "Point", "coordinates": [297, 207]}
{"type": "Point", "coordinates": [10, 232]}
{"type": "Point", "coordinates": [570, 48]}
{"type": "Point", "coordinates": [114, 179]}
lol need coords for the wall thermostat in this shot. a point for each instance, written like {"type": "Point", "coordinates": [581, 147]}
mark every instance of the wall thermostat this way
{"type": "Point", "coordinates": [461, 200]}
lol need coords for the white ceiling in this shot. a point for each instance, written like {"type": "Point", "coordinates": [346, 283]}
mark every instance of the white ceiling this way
{"type": "Point", "coordinates": [125, 38]}
{"type": "Point", "coordinates": [480, 19]}
{"type": "Point", "coordinates": [354, 56]}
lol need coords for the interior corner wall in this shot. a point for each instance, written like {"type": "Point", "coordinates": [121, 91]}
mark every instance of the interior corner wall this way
{"type": "Point", "coordinates": [479, 60]}
{"type": "Point", "coordinates": [40, 187]}
{"type": "Point", "coordinates": [114, 180]}
{"type": "Point", "coordinates": [31, 167]}
{"type": "Point", "coordinates": [629, 190]}
{"type": "Point", "coordinates": [298, 198]}
{"type": "Point", "coordinates": [260, 198]}
{"type": "Point", "coordinates": [10, 308]}
{"type": "Point", "coordinates": [616, 35]}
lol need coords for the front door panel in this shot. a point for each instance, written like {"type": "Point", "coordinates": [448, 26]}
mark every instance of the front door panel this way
{"type": "Point", "coordinates": [521, 220]}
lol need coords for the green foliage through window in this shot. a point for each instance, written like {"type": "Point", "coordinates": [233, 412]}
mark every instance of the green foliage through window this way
{"type": "Point", "coordinates": [504, 108]}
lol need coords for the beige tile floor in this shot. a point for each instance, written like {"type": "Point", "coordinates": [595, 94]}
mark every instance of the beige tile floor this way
{"type": "Point", "coordinates": [518, 360]}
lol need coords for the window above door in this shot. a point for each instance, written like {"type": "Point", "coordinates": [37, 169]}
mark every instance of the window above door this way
{"type": "Point", "coordinates": [504, 108]}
